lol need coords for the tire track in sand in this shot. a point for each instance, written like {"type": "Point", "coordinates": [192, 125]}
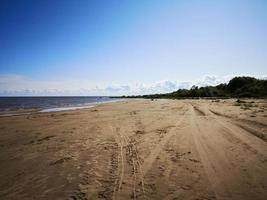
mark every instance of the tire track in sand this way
{"type": "Point", "coordinates": [158, 148]}
{"type": "Point", "coordinates": [226, 178]}
{"type": "Point", "coordinates": [128, 154]}
{"type": "Point", "coordinates": [120, 160]}
{"type": "Point", "coordinates": [244, 134]}
{"type": "Point", "coordinates": [132, 149]}
{"type": "Point", "coordinates": [208, 164]}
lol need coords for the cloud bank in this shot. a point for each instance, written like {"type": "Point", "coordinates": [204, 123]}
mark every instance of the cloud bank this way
{"type": "Point", "coordinates": [17, 85]}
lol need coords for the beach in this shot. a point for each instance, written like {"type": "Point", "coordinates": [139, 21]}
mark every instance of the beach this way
{"type": "Point", "coordinates": [138, 149]}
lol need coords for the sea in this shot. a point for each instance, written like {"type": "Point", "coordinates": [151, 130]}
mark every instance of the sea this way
{"type": "Point", "coordinates": [50, 104]}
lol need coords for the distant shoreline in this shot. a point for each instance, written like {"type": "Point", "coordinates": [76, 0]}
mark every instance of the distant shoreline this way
{"type": "Point", "coordinates": [15, 106]}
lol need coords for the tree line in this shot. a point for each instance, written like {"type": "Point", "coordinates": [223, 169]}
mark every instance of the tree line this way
{"type": "Point", "coordinates": [237, 87]}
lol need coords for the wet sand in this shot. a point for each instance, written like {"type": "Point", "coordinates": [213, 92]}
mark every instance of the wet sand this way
{"type": "Point", "coordinates": [138, 149]}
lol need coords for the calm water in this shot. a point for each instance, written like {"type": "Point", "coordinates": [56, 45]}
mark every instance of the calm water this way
{"type": "Point", "coordinates": [10, 103]}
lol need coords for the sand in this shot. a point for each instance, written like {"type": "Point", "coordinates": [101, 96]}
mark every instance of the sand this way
{"type": "Point", "coordinates": [138, 149]}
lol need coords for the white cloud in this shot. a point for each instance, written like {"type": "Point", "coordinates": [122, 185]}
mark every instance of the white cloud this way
{"type": "Point", "coordinates": [16, 85]}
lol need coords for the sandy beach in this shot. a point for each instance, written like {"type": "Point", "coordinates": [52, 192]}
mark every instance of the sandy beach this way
{"type": "Point", "coordinates": [138, 149]}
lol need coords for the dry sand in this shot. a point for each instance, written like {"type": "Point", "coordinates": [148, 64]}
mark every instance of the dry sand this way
{"type": "Point", "coordinates": [139, 149]}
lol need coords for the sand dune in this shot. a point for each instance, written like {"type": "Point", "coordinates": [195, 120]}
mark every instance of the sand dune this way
{"type": "Point", "coordinates": [140, 149]}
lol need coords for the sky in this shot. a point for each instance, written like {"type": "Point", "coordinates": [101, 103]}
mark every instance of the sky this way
{"type": "Point", "coordinates": [103, 47]}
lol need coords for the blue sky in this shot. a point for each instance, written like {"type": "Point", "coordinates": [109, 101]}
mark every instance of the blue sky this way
{"type": "Point", "coordinates": [105, 47]}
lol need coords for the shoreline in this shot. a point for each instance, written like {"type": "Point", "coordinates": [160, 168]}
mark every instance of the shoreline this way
{"type": "Point", "coordinates": [20, 111]}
